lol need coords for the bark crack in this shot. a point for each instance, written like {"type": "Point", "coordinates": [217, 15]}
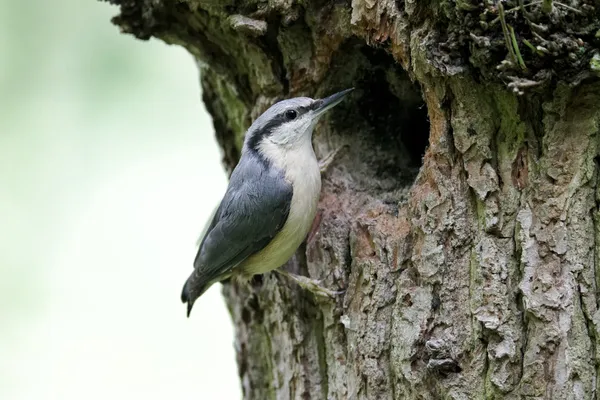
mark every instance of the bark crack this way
{"type": "Point", "coordinates": [520, 301]}
{"type": "Point", "coordinates": [272, 47]}
{"type": "Point", "coordinates": [486, 364]}
{"type": "Point", "coordinates": [589, 322]}
{"type": "Point", "coordinates": [322, 354]}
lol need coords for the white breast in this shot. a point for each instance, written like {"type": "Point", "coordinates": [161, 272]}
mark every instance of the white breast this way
{"type": "Point", "coordinates": [302, 171]}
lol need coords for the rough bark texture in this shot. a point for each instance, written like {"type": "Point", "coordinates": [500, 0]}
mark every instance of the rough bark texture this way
{"type": "Point", "coordinates": [462, 220]}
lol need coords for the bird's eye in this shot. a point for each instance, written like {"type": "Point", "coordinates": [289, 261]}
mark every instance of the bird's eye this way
{"type": "Point", "coordinates": [291, 114]}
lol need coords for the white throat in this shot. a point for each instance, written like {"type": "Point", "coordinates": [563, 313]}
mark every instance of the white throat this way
{"type": "Point", "coordinates": [296, 159]}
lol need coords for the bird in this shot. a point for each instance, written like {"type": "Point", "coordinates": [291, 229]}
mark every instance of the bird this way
{"type": "Point", "coordinates": [271, 199]}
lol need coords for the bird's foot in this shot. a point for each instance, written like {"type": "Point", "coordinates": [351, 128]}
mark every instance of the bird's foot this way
{"type": "Point", "coordinates": [326, 161]}
{"type": "Point", "coordinates": [312, 285]}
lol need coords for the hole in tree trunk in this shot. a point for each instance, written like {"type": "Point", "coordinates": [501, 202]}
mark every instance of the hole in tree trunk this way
{"type": "Point", "coordinates": [386, 119]}
{"type": "Point", "coordinates": [394, 107]}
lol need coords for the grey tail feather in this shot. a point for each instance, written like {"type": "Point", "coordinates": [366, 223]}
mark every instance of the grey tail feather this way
{"type": "Point", "coordinates": [189, 307]}
{"type": "Point", "coordinates": [191, 292]}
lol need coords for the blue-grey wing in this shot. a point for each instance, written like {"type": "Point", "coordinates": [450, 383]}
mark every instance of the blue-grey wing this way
{"type": "Point", "coordinates": [253, 210]}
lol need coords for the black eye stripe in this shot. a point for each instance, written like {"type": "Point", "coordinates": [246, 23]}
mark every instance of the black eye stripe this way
{"type": "Point", "coordinates": [278, 120]}
{"type": "Point", "coordinates": [266, 130]}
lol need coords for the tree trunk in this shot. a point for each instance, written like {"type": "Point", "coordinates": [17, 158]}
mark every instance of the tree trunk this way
{"type": "Point", "coordinates": [462, 218]}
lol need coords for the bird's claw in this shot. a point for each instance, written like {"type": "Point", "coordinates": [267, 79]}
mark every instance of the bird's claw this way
{"type": "Point", "coordinates": [312, 285]}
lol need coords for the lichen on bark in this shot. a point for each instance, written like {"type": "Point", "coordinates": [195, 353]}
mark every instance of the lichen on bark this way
{"type": "Point", "coordinates": [461, 221]}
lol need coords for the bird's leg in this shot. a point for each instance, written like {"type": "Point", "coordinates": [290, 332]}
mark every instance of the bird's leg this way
{"type": "Point", "coordinates": [326, 161]}
{"type": "Point", "coordinates": [312, 285]}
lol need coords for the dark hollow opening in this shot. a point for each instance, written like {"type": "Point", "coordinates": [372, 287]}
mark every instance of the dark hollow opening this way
{"type": "Point", "coordinates": [402, 115]}
{"type": "Point", "coordinates": [387, 118]}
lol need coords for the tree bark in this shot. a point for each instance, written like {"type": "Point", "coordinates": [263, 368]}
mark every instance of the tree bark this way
{"type": "Point", "coordinates": [461, 220]}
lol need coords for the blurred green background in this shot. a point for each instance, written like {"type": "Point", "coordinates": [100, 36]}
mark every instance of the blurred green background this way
{"type": "Point", "coordinates": [109, 170]}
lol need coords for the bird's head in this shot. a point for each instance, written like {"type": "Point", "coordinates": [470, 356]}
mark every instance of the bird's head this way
{"type": "Point", "coordinates": [290, 123]}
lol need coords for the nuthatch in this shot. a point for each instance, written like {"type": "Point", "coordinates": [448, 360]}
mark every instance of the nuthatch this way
{"type": "Point", "coordinates": [271, 201]}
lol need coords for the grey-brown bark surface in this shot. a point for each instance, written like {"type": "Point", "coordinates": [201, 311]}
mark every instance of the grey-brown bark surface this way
{"type": "Point", "coordinates": [462, 220]}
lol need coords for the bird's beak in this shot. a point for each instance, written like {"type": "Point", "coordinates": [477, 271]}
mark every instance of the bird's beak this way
{"type": "Point", "coordinates": [322, 105]}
